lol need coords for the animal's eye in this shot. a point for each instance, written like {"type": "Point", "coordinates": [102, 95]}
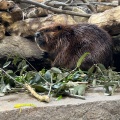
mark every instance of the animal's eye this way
{"type": "Point", "coordinates": [46, 30]}
{"type": "Point", "coordinates": [59, 27]}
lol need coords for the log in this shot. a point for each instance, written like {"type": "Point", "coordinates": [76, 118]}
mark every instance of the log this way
{"type": "Point", "coordinates": [29, 26]}
{"type": "Point", "coordinates": [6, 18]}
{"type": "Point", "coordinates": [102, 8]}
{"type": "Point", "coordinates": [6, 5]}
{"type": "Point", "coordinates": [16, 13]}
{"type": "Point", "coordinates": [36, 12]}
{"type": "Point", "coordinates": [108, 20]}
{"type": "Point", "coordinates": [24, 48]}
{"type": "Point", "coordinates": [2, 31]}
{"type": "Point", "coordinates": [79, 19]}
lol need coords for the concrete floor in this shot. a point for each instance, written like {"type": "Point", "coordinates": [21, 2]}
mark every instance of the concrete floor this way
{"type": "Point", "coordinates": [95, 107]}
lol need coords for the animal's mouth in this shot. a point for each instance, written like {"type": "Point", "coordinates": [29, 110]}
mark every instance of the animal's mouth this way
{"type": "Point", "coordinates": [39, 42]}
{"type": "Point", "coordinates": [37, 34]}
{"type": "Point", "coordinates": [39, 39]}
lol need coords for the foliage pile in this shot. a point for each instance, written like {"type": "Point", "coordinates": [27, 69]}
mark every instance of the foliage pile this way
{"type": "Point", "coordinates": [57, 82]}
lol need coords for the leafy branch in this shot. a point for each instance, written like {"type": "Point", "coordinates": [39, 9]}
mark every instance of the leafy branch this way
{"type": "Point", "coordinates": [57, 82]}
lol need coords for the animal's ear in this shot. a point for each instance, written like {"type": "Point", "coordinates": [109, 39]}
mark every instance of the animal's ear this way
{"type": "Point", "coordinates": [59, 27]}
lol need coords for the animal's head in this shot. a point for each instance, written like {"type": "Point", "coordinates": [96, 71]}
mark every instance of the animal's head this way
{"type": "Point", "coordinates": [53, 37]}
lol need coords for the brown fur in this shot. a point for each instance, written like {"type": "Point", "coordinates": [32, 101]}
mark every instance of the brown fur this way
{"type": "Point", "coordinates": [66, 43]}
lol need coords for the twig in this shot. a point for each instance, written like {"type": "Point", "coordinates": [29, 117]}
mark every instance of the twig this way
{"type": "Point", "coordinates": [54, 9]}
{"type": "Point", "coordinates": [46, 1]}
{"type": "Point", "coordinates": [43, 98]}
{"type": "Point", "coordinates": [28, 87]}
{"type": "Point", "coordinates": [62, 5]}
{"type": "Point", "coordinates": [66, 75]}
{"type": "Point", "coordinates": [50, 86]}
{"type": "Point", "coordinates": [56, 4]}
{"type": "Point", "coordinates": [69, 1]}
{"type": "Point", "coordinates": [95, 3]}
{"type": "Point", "coordinates": [11, 77]}
{"type": "Point", "coordinates": [77, 96]}
{"type": "Point", "coordinates": [27, 61]}
{"type": "Point", "coordinates": [90, 6]}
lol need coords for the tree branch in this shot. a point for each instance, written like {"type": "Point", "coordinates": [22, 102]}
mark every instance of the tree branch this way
{"type": "Point", "coordinates": [54, 9]}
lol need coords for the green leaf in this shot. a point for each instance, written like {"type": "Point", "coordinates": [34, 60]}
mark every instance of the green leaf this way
{"type": "Point", "coordinates": [23, 69]}
{"type": "Point", "coordinates": [56, 70]}
{"type": "Point", "coordinates": [81, 59]}
{"type": "Point", "coordinates": [113, 89]}
{"type": "Point", "coordinates": [5, 88]}
{"type": "Point", "coordinates": [16, 60]}
{"type": "Point", "coordinates": [101, 66]}
{"type": "Point", "coordinates": [94, 83]}
{"type": "Point", "coordinates": [2, 83]}
{"type": "Point", "coordinates": [29, 75]}
{"type": "Point", "coordinates": [60, 88]}
{"type": "Point", "coordinates": [47, 76]}
{"type": "Point", "coordinates": [40, 88]}
{"type": "Point", "coordinates": [19, 65]}
{"type": "Point", "coordinates": [6, 64]}
{"type": "Point", "coordinates": [91, 70]}
{"type": "Point", "coordinates": [76, 76]}
{"type": "Point", "coordinates": [56, 86]}
{"type": "Point", "coordinates": [22, 64]}
{"type": "Point", "coordinates": [79, 89]}
{"type": "Point", "coordinates": [59, 98]}
{"type": "Point", "coordinates": [60, 76]}
{"type": "Point", "coordinates": [9, 72]}
{"type": "Point", "coordinates": [36, 79]}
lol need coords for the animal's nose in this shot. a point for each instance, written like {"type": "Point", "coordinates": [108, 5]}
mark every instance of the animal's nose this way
{"type": "Point", "coordinates": [37, 34]}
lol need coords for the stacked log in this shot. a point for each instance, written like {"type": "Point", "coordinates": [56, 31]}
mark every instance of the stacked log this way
{"type": "Point", "coordinates": [17, 29]}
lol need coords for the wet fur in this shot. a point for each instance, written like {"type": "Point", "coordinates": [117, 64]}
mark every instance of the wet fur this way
{"type": "Point", "coordinates": [66, 43]}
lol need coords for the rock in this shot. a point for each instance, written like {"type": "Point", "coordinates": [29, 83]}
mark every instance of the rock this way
{"type": "Point", "coordinates": [108, 20]}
